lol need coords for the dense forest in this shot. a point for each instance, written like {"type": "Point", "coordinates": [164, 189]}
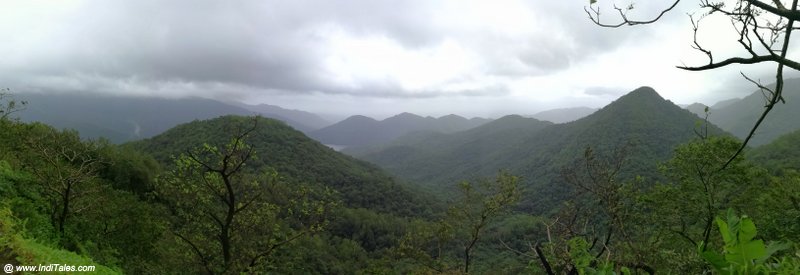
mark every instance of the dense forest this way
{"type": "Point", "coordinates": [638, 187]}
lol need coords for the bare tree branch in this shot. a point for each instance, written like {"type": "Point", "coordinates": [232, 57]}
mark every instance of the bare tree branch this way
{"type": "Point", "coordinates": [594, 15]}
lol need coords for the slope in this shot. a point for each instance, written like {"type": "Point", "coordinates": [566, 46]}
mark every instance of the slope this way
{"type": "Point", "coordinates": [697, 108]}
{"type": "Point", "coordinates": [780, 154]}
{"type": "Point", "coordinates": [724, 103]}
{"type": "Point", "coordinates": [310, 120]}
{"type": "Point", "coordinates": [431, 157]}
{"type": "Point", "coordinates": [297, 158]}
{"type": "Point", "coordinates": [364, 131]}
{"type": "Point", "coordinates": [564, 115]}
{"type": "Point", "coordinates": [740, 116]}
{"type": "Point", "coordinates": [652, 126]}
{"type": "Point", "coordinates": [122, 119]}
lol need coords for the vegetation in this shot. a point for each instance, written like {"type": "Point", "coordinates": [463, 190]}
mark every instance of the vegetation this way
{"type": "Point", "coordinates": [631, 189]}
{"type": "Point", "coordinates": [357, 131]}
{"type": "Point", "coordinates": [537, 151]}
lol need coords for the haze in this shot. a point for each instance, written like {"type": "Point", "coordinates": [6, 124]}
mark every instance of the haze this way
{"type": "Point", "coordinates": [375, 58]}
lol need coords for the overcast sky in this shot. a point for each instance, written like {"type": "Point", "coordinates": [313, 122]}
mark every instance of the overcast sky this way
{"type": "Point", "coordinates": [371, 57]}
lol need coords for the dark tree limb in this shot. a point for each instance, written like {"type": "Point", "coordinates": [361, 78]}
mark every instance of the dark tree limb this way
{"type": "Point", "coordinates": [543, 259]}
{"type": "Point", "coordinates": [594, 15]}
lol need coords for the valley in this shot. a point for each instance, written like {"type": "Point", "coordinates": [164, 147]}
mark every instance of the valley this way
{"type": "Point", "coordinates": [397, 184]}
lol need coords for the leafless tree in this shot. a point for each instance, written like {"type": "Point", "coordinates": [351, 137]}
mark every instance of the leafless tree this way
{"type": "Point", "coordinates": [66, 168]}
{"type": "Point", "coordinates": [764, 31]}
{"type": "Point", "coordinates": [8, 105]}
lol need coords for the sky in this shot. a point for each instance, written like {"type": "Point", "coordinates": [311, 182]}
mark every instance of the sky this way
{"type": "Point", "coordinates": [368, 57]}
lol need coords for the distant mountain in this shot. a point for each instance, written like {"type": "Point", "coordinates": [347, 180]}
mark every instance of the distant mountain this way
{"type": "Point", "coordinates": [311, 120]}
{"type": "Point", "coordinates": [698, 109]}
{"type": "Point", "coordinates": [538, 150]}
{"type": "Point", "coordinates": [424, 156]}
{"type": "Point", "coordinates": [564, 115]}
{"type": "Point", "coordinates": [724, 103]}
{"type": "Point", "coordinates": [119, 119]}
{"type": "Point", "coordinates": [297, 158]}
{"type": "Point", "coordinates": [122, 119]}
{"type": "Point", "coordinates": [364, 131]}
{"type": "Point", "coordinates": [738, 117]}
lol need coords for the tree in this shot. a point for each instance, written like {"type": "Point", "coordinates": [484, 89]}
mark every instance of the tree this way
{"type": "Point", "coordinates": [679, 214]}
{"type": "Point", "coordinates": [480, 204]}
{"type": "Point", "coordinates": [66, 168]}
{"type": "Point", "coordinates": [233, 218]}
{"type": "Point", "coordinates": [8, 105]}
{"type": "Point", "coordinates": [598, 217]}
{"type": "Point", "coordinates": [764, 33]}
{"type": "Point", "coordinates": [704, 188]}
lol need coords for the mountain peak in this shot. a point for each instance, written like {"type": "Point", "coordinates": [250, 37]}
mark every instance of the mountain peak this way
{"type": "Point", "coordinates": [642, 104]}
{"type": "Point", "coordinates": [359, 118]}
{"type": "Point", "coordinates": [697, 108]}
{"type": "Point", "coordinates": [644, 92]}
{"type": "Point", "coordinates": [642, 97]}
{"type": "Point", "coordinates": [452, 117]}
{"type": "Point", "coordinates": [405, 115]}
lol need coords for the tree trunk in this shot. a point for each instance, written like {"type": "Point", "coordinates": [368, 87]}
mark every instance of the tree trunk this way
{"type": "Point", "coordinates": [65, 210]}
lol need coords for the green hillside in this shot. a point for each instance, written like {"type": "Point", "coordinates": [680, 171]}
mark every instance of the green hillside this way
{"type": "Point", "coordinates": [356, 131]}
{"type": "Point", "coordinates": [783, 153]}
{"type": "Point", "coordinates": [649, 125]}
{"type": "Point", "coordinates": [738, 117]}
{"type": "Point", "coordinates": [435, 158]}
{"type": "Point", "coordinates": [235, 195]}
{"type": "Point", "coordinates": [296, 157]}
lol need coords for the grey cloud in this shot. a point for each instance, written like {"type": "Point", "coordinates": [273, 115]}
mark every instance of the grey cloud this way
{"type": "Point", "coordinates": [571, 38]}
{"type": "Point", "coordinates": [226, 48]}
{"type": "Point", "coordinates": [263, 45]}
{"type": "Point", "coordinates": [385, 90]}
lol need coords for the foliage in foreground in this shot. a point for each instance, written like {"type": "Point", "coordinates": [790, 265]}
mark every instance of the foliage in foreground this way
{"type": "Point", "coordinates": [18, 250]}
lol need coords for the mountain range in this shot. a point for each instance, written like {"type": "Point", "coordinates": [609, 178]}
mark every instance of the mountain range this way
{"type": "Point", "coordinates": [644, 123]}
{"type": "Point", "coordinates": [360, 130]}
{"type": "Point", "coordinates": [739, 116]}
{"type": "Point", "coordinates": [122, 119]}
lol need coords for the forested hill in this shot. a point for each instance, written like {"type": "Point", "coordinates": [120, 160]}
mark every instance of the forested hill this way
{"type": "Point", "coordinates": [363, 131]}
{"type": "Point", "coordinates": [739, 116]}
{"type": "Point", "coordinates": [296, 157]}
{"type": "Point", "coordinates": [642, 121]}
{"type": "Point", "coordinates": [442, 159]}
{"type": "Point", "coordinates": [779, 155]}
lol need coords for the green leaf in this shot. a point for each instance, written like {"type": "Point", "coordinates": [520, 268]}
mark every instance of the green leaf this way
{"type": "Point", "coordinates": [724, 231]}
{"type": "Point", "coordinates": [747, 230]}
{"type": "Point", "coordinates": [772, 248]}
{"type": "Point", "coordinates": [745, 253]}
{"type": "Point", "coordinates": [716, 260]}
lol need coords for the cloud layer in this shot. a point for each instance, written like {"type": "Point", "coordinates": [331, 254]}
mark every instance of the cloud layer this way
{"type": "Point", "coordinates": [288, 51]}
